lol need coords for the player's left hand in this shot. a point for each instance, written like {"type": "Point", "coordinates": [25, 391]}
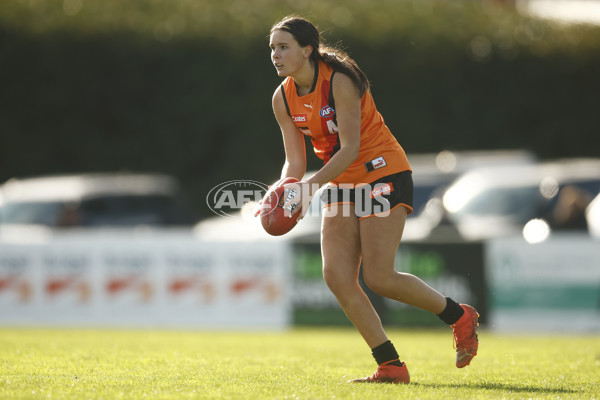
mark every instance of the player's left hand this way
{"type": "Point", "coordinates": [297, 198]}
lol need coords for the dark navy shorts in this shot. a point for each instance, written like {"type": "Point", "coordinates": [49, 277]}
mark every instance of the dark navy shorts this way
{"type": "Point", "coordinates": [375, 199]}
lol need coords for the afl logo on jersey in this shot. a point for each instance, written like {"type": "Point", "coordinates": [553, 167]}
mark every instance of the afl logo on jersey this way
{"type": "Point", "coordinates": [327, 111]}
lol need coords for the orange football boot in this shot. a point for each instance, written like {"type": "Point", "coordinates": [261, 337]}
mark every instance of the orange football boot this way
{"type": "Point", "coordinates": [387, 374]}
{"type": "Point", "coordinates": [465, 336]}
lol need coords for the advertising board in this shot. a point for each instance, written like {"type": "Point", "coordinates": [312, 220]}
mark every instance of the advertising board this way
{"type": "Point", "coordinates": [165, 279]}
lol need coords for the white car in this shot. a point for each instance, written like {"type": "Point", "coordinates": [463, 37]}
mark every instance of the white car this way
{"type": "Point", "coordinates": [593, 217]}
{"type": "Point", "coordinates": [499, 201]}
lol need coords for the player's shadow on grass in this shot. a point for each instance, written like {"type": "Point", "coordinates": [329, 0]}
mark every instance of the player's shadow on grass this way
{"type": "Point", "coordinates": [499, 386]}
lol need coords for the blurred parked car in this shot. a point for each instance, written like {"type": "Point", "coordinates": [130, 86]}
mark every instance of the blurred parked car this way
{"type": "Point", "coordinates": [433, 173]}
{"type": "Point", "coordinates": [499, 201]}
{"type": "Point", "coordinates": [93, 200]}
{"type": "Point", "coordinates": [593, 217]}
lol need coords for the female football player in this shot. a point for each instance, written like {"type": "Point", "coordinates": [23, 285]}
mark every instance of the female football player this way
{"type": "Point", "coordinates": [326, 96]}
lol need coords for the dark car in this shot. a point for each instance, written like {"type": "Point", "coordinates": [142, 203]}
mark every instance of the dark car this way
{"type": "Point", "coordinates": [94, 200]}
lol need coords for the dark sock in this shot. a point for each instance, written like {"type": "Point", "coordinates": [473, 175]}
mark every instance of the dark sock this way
{"type": "Point", "coordinates": [386, 352]}
{"type": "Point", "coordinates": [452, 312]}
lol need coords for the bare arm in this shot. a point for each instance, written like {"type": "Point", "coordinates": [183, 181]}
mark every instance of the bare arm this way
{"type": "Point", "coordinates": [293, 140]}
{"type": "Point", "coordinates": [347, 108]}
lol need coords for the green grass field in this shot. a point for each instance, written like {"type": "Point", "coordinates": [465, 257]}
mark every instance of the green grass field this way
{"type": "Point", "coordinates": [297, 364]}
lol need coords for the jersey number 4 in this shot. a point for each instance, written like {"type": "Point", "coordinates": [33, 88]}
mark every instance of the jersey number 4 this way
{"type": "Point", "coordinates": [333, 129]}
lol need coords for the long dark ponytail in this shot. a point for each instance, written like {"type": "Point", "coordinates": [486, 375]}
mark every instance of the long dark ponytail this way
{"type": "Point", "coordinates": [306, 34]}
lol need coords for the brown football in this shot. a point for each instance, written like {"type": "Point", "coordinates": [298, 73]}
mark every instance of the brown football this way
{"type": "Point", "coordinates": [274, 218]}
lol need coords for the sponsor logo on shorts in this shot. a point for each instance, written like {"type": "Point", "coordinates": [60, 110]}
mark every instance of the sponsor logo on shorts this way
{"type": "Point", "coordinates": [362, 200]}
{"type": "Point", "coordinates": [383, 189]}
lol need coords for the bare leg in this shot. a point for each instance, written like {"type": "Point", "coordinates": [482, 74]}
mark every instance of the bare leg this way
{"type": "Point", "coordinates": [379, 240]}
{"type": "Point", "coordinates": [341, 247]}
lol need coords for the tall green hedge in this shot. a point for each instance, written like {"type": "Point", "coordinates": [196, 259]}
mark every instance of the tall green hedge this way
{"type": "Point", "coordinates": [184, 86]}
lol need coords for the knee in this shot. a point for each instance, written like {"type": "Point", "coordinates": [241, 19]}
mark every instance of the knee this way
{"type": "Point", "coordinates": [378, 281]}
{"type": "Point", "coordinates": [335, 280]}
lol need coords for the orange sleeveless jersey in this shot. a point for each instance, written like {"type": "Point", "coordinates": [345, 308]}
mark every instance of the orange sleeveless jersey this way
{"type": "Point", "coordinates": [379, 155]}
